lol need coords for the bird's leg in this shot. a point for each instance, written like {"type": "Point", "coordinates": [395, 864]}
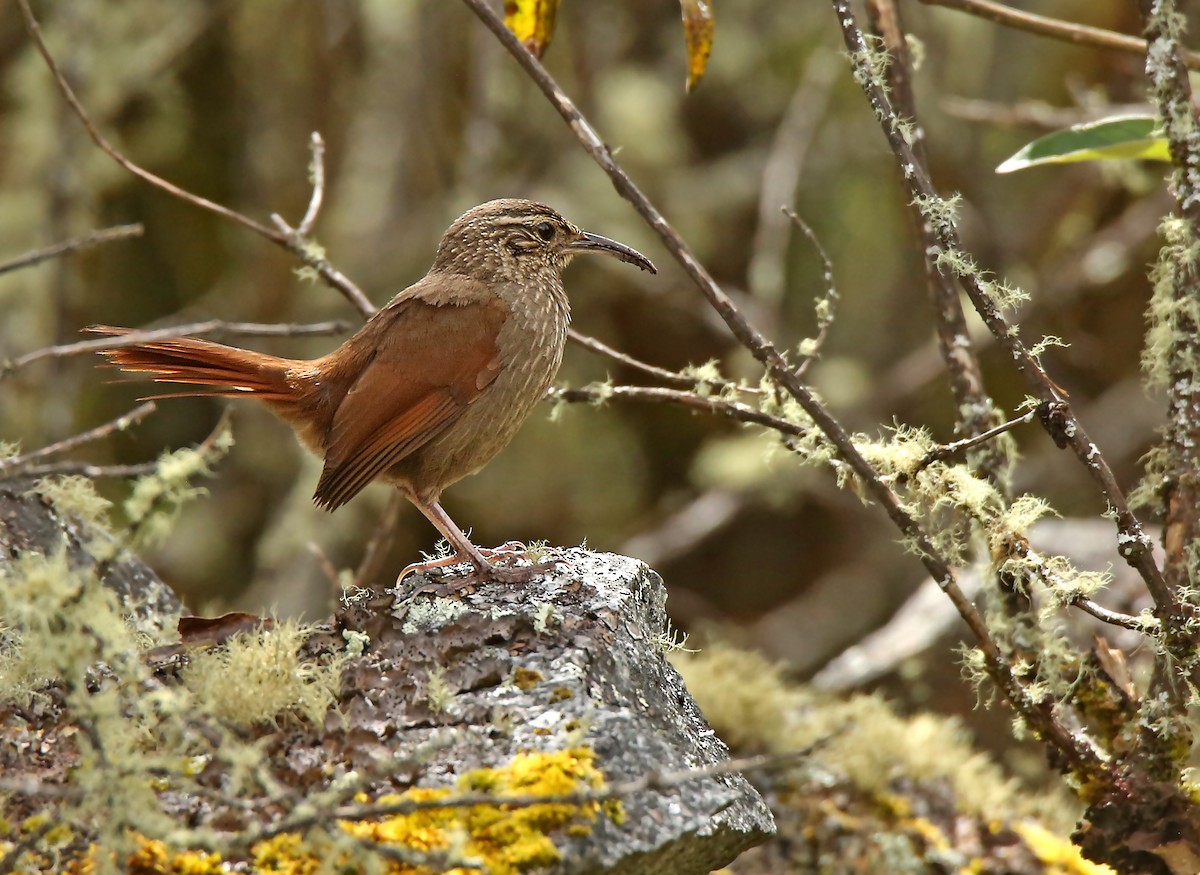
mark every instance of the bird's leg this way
{"type": "Point", "coordinates": [465, 551]}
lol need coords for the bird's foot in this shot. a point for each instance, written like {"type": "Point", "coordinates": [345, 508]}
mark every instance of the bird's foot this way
{"type": "Point", "coordinates": [487, 566]}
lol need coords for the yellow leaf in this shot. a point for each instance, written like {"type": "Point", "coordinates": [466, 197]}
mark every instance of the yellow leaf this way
{"type": "Point", "coordinates": [698, 29]}
{"type": "Point", "coordinates": [532, 21]}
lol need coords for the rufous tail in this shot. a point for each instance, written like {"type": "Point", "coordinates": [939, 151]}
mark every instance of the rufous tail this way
{"type": "Point", "coordinates": [212, 368]}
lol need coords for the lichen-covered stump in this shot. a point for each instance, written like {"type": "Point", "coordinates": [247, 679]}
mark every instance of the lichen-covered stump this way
{"type": "Point", "coordinates": [571, 660]}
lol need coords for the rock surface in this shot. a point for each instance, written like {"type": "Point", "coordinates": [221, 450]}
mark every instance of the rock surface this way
{"type": "Point", "coordinates": [573, 658]}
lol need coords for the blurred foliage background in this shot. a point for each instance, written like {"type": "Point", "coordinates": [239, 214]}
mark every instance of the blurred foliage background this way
{"type": "Point", "coordinates": [424, 116]}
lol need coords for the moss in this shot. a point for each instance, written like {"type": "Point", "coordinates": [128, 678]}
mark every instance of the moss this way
{"type": "Point", "coordinates": [75, 496]}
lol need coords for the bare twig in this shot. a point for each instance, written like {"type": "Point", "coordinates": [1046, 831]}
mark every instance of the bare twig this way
{"type": "Point", "coordinates": [826, 304]}
{"type": "Point", "coordinates": [1113, 618]}
{"type": "Point", "coordinates": [675, 378]}
{"type": "Point", "coordinates": [597, 394]}
{"type": "Point", "coordinates": [119, 424]}
{"type": "Point", "coordinates": [309, 254]}
{"type": "Point", "coordinates": [684, 529]}
{"type": "Point", "coordinates": [381, 541]}
{"type": "Point", "coordinates": [1067, 31]}
{"type": "Point", "coordinates": [945, 451]}
{"type": "Point", "coordinates": [94, 238]}
{"type": "Point", "coordinates": [326, 565]}
{"type": "Point", "coordinates": [781, 175]}
{"type": "Point", "coordinates": [317, 168]}
{"type": "Point", "coordinates": [191, 329]}
{"type": "Point", "coordinates": [86, 469]}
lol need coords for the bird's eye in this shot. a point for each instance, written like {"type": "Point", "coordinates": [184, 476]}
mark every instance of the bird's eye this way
{"type": "Point", "coordinates": [545, 230]}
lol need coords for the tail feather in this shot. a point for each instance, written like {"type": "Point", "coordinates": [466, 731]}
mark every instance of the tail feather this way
{"type": "Point", "coordinates": [214, 369]}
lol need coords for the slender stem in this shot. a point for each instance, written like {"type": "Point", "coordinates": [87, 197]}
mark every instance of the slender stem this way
{"type": "Point", "coordinates": [94, 238]}
{"type": "Point", "coordinates": [665, 374]}
{"type": "Point", "coordinates": [121, 423]}
{"type": "Point", "coordinates": [1067, 31]}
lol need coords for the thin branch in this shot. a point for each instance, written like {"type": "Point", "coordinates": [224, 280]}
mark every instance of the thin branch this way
{"type": "Point", "coordinates": [826, 307]}
{"type": "Point", "coordinates": [381, 541]}
{"type": "Point", "coordinates": [1066, 31]}
{"type": "Point", "coordinates": [766, 271]}
{"type": "Point", "coordinates": [86, 469]}
{"type": "Point", "coordinates": [317, 168]}
{"type": "Point", "coordinates": [191, 329]}
{"type": "Point", "coordinates": [945, 451]}
{"type": "Point", "coordinates": [675, 378]}
{"type": "Point", "coordinates": [101, 431]}
{"type": "Point", "coordinates": [296, 244]}
{"type": "Point", "coordinates": [600, 394]}
{"type": "Point", "coordinates": [94, 238]}
{"type": "Point", "coordinates": [1113, 618]}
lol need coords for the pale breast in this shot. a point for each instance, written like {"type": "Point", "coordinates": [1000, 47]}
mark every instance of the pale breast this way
{"type": "Point", "coordinates": [531, 344]}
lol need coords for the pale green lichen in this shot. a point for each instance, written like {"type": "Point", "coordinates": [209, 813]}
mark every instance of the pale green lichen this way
{"type": "Point", "coordinates": [438, 693]}
{"type": "Point", "coordinates": [262, 678]}
{"type": "Point", "coordinates": [75, 496]}
{"type": "Point", "coordinates": [754, 708]}
{"type": "Point", "coordinates": [1174, 313]}
{"type": "Point", "coordinates": [707, 377]}
{"type": "Point", "coordinates": [157, 497]}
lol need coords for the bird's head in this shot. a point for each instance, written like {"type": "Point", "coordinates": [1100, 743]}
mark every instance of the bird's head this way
{"type": "Point", "coordinates": [520, 237]}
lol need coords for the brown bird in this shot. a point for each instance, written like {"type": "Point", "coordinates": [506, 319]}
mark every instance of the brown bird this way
{"type": "Point", "coordinates": [433, 385]}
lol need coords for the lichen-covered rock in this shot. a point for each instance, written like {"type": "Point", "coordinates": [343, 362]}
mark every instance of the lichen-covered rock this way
{"type": "Point", "coordinates": [574, 659]}
{"type": "Point", "coordinates": [403, 731]}
{"type": "Point", "coordinates": [32, 521]}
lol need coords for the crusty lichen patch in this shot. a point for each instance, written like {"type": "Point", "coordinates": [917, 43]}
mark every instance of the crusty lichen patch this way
{"type": "Point", "coordinates": [505, 840]}
{"type": "Point", "coordinates": [495, 838]}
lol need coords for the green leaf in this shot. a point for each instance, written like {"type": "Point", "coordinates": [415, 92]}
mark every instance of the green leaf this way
{"type": "Point", "coordinates": [1127, 136]}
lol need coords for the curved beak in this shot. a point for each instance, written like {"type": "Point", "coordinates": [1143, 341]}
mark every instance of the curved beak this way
{"type": "Point", "coordinates": [595, 243]}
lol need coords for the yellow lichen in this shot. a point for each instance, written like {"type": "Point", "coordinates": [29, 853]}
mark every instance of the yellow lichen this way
{"type": "Point", "coordinates": [504, 840]}
{"type": "Point", "coordinates": [154, 858]}
{"type": "Point", "coordinates": [1060, 856]}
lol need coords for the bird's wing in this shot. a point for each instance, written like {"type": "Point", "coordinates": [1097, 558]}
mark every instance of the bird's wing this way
{"type": "Point", "coordinates": [422, 373]}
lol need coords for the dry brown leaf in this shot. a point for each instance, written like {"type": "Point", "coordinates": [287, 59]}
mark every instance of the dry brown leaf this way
{"type": "Point", "coordinates": [698, 29]}
{"type": "Point", "coordinates": [207, 631]}
{"type": "Point", "coordinates": [532, 21]}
